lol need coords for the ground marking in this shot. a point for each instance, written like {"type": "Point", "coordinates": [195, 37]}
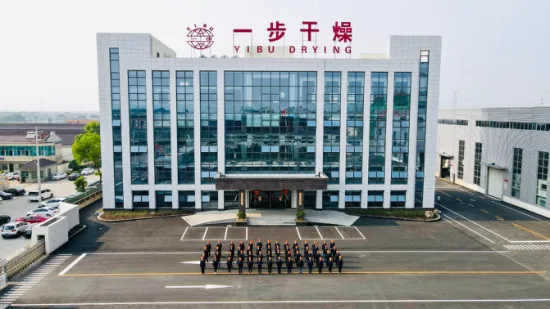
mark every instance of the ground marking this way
{"type": "Point", "coordinates": [485, 211]}
{"type": "Point", "coordinates": [65, 254]}
{"type": "Point", "coordinates": [246, 233]}
{"type": "Point", "coordinates": [204, 236]}
{"type": "Point", "coordinates": [471, 205]}
{"type": "Point", "coordinates": [521, 212]}
{"type": "Point", "coordinates": [184, 233]}
{"type": "Point", "coordinates": [532, 232]}
{"type": "Point", "coordinates": [339, 232]}
{"type": "Point", "coordinates": [447, 217]}
{"type": "Point", "coordinates": [191, 262]}
{"type": "Point", "coordinates": [206, 287]}
{"type": "Point", "coordinates": [72, 264]}
{"type": "Point", "coordinates": [499, 218]}
{"type": "Point", "coordinates": [360, 232]}
{"type": "Point", "coordinates": [444, 193]}
{"type": "Point", "coordinates": [298, 231]}
{"type": "Point", "coordinates": [320, 235]}
{"type": "Point", "coordinates": [225, 236]}
{"type": "Point", "coordinates": [142, 253]}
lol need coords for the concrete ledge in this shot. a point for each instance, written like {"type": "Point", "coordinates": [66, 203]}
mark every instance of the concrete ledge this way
{"type": "Point", "coordinates": [532, 208]}
{"type": "Point", "coordinates": [437, 218]}
{"type": "Point", "coordinates": [137, 219]}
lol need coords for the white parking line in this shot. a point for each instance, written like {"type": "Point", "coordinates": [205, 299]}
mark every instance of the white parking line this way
{"type": "Point", "coordinates": [360, 232]}
{"type": "Point", "coordinates": [474, 223]}
{"type": "Point", "coordinates": [447, 217]}
{"type": "Point", "coordinates": [298, 231]}
{"type": "Point", "coordinates": [204, 236]}
{"type": "Point", "coordinates": [318, 232]}
{"type": "Point", "coordinates": [72, 264]}
{"type": "Point", "coordinates": [444, 193]}
{"type": "Point", "coordinates": [337, 230]}
{"type": "Point", "coordinates": [225, 236]}
{"type": "Point", "coordinates": [184, 233]}
{"type": "Point", "coordinates": [516, 211]}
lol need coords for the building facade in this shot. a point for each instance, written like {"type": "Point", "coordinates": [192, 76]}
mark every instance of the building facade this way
{"type": "Point", "coordinates": [502, 152]}
{"type": "Point", "coordinates": [216, 133]}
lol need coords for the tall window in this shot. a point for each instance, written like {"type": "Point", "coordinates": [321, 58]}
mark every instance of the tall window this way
{"type": "Point", "coordinates": [137, 98]}
{"type": "Point", "coordinates": [209, 199]}
{"type": "Point", "coordinates": [117, 135]}
{"type": "Point", "coordinates": [516, 172]}
{"type": "Point", "coordinates": [421, 127]}
{"type": "Point", "coordinates": [461, 148]}
{"type": "Point", "coordinates": [186, 132]}
{"type": "Point", "coordinates": [209, 125]}
{"type": "Point", "coordinates": [354, 134]}
{"type": "Point", "coordinates": [163, 199]}
{"type": "Point", "coordinates": [401, 124]}
{"type": "Point", "coordinates": [330, 199]}
{"type": "Point", "coordinates": [140, 199]}
{"type": "Point", "coordinates": [353, 199]}
{"type": "Point", "coordinates": [186, 199]}
{"type": "Point", "coordinates": [161, 124]}
{"type": "Point", "coordinates": [398, 198]}
{"type": "Point", "coordinates": [477, 164]}
{"type": "Point", "coordinates": [331, 123]}
{"type": "Point", "coordinates": [377, 133]}
{"type": "Point", "coordinates": [270, 122]}
{"type": "Point", "coordinates": [542, 178]}
{"type": "Point", "coordinates": [375, 199]}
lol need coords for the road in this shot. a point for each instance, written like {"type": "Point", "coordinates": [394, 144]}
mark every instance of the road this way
{"type": "Point", "coordinates": [19, 205]}
{"type": "Point", "coordinates": [463, 261]}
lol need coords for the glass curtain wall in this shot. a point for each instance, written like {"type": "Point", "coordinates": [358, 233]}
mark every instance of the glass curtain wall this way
{"type": "Point", "coordinates": [354, 134]}
{"type": "Point", "coordinates": [186, 132]}
{"type": "Point", "coordinates": [117, 132]}
{"type": "Point", "coordinates": [209, 125]}
{"type": "Point", "coordinates": [137, 97]}
{"type": "Point", "coordinates": [421, 127]}
{"type": "Point", "coordinates": [161, 125]}
{"type": "Point", "coordinates": [377, 132]}
{"type": "Point", "coordinates": [331, 123]}
{"type": "Point", "coordinates": [401, 125]}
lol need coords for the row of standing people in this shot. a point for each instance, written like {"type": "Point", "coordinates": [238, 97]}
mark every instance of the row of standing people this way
{"type": "Point", "coordinates": [327, 255]}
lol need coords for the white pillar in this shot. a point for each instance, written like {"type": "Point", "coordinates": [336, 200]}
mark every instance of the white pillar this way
{"type": "Point", "coordinates": [197, 137]}
{"type": "Point", "coordinates": [319, 123]}
{"type": "Point", "coordinates": [174, 139]}
{"type": "Point", "coordinates": [221, 200]}
{"type": "Point", "coordinates": [221, 133]}
{"type": "Point", "coordinates": [150, 139]}
{"type": "Point", "coordinates": [343, 135]}
{"type": "Point", "coordinates": [413, 133]}
{"type": "Point", "coordinates": [389, 139]}
{"type": "Point", "coordinates": [366, 134]}
{"type": "Point", "coordinates": [319, 199]}
{"type": "Point", "coordinates": [294, 199]}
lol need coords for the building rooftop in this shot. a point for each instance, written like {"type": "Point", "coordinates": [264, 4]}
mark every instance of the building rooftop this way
{"type": "Point", "coordinates": [31, 166]}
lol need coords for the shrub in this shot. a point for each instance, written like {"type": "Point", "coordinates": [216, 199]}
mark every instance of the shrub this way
{"type": "Point", "coordinates": [300, 215]}
{"type": "Point", "coordinates": [241, 215]}
{"type": "Point", "coordinates": [80, 184]}
{"type": "Point", "coordinates": [73, 165]}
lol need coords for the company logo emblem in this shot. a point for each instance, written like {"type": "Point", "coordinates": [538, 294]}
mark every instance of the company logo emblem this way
{"type": "Point", "coordinates": [200, 37]}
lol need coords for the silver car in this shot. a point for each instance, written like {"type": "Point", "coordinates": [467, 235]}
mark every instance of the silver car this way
{"type": "Point", "coordinates": [13, 229]}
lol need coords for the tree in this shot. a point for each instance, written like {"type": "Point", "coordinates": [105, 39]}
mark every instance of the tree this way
{"type": "Point", "coordinates": [92, 127]}
{"type": "Point", "coordinates": [87, 148]}
{"type": "Point", "coordinates": [80, 184]}
{"type": "Point", "coordinates": [73, 165]}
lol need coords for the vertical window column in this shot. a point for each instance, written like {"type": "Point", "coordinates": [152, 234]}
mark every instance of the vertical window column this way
{"type": "Point", "coordinates": [185, 114]}
{"type": "Point", "coordinates": [421, 127]}
{"type": "Point", "coordinates": [542, 178]}
{"type": "Point", "coordinates": [209, 125]}
{"type": "Point", "coordinates": [477, 164]}
{"type": "Point", "coordinates": [161, 124]}
{"type": "Point", "coordinates": [331, 139]}
{"type": "Point", "coordinates": [137, 99]}
{"type": "Point", "coordinates": [377, 132]}
{"type": "Point", "coordinates": [461, 148]}
{"type": "Point", "coordinates": [117, 133]}
{"type": "Point", "coordinates": [354, 134]}
{"type": "Point", "coordinates": [401, 125]}
{"type": "Point", "coordinates": [516, 172]}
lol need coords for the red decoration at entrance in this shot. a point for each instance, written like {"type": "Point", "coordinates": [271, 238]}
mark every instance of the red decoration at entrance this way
{"type": "Point", "coordinates": [256, 192]}
{"type": "Point", "coordinates": [285, 191]}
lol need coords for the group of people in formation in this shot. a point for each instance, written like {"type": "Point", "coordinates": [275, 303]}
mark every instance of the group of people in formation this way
{"type": "Point", "coordinates": [276, 256]}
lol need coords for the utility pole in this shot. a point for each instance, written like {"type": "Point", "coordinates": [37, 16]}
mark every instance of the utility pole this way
{"type": "Point", "coordinates": [37, 160]}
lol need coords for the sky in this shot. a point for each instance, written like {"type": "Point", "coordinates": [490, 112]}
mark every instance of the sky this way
{"type": "Point", "coordinates": [495, 52]}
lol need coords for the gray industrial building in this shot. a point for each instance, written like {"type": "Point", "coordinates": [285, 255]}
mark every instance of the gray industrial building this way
{"type": "Point", "coordinates": [501, 152]}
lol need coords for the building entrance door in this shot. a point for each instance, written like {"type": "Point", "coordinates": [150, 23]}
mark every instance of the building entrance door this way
{"type": "Point", "coordinates": [270, 199]}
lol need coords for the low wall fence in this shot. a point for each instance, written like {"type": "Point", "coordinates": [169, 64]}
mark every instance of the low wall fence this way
{"type": "Point", "coordinates": [86, 198]}
{"type": "Point", "coordinates": [26, 257]}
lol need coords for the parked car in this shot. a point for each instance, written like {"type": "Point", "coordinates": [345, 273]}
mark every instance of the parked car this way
{"type": "Point", "coordinates": [15, 191]}
{"type": "Point", "coordinates": [45, 211]}
{"type": "Point", "coordinates": [94, 184]}
{"type": "Point", "coordinates": [13, 229]}
{"type": "Point", "coordinates": [9, 176]}
{"type": "Point", "coordinates": [34, 196]}
{"type": "Point", "coordinates": [27, 233]}
{"type": "Point", "coordinates": [74, 176]}
{"type": "Point", "coordinates": [32, 219]}
{"type": "Point", "coordinates": [59, 176]}
{"type": "Point", "coordinates": [6, 196]}
{"type": "Point", "coordinates": [16, 175]}
{"type": "Point", "coordinates": [87, 171]}
{"type": "Point", "coordinates": [52, 203]}
{"type": "Point", "coordinates": [4, 219]}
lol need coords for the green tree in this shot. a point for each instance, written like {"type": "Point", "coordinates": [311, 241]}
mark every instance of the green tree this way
{"type": "Point", "coordinates": [87, 148]}
{"type": "Point", "coordinates": [92, 127]}
{"type": "Point", "coordinates": [80, 184]}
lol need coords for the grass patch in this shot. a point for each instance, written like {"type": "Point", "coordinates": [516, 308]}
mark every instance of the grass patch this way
{"type": "Point", "coordinates": [135, 214]}
{"type": "Point", "coordinates": [396, 213]}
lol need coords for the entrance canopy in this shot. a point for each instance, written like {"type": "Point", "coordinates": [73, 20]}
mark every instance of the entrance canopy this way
{"type": "Point", "coordinates": [304, 182]}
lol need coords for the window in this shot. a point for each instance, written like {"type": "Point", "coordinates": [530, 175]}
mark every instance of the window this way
{"type": "Point", "coordinates": [209, 125]}
{"type": "Point", "coordinates": [398, 198]}
{"type": "Point", "coordinates": [331, 124]}
{"type": "Point", "coordinates": [354, 134]}
{"type": "Point", "coordinates": [455, 122]}
{"type": "Point", "coordinates": [186, 199]}
{"type": "Point", "coordinates": [377, 132]}
{"type": "Point", "coordinates": [330, 199]}
{"type": "Point", "coordinates": [542, 178]}
{"type": "Point", "coordinates": [137, 100]}
{"type": "Point", "coordinates": [310, 199]}
{"type": "Point", "coordinates": [461, 148]}
{"type": "Point", "coordinates": [186, 123]}
{"type": "Point", "coordinates": [375, 199]}
{"type": "Point", "coordinates": [231, 199]}
{"type": "Point", "coordinates": [209, 200]}
{"type": "Point", "coordinates": [163, 199]}
{"type": "Point", "coordinates": [477, 164]}
{"type": "Point", "coordinates": [353, 199]}
{"type": "Point", "coordinates": [161, 124]}
{"type": "Point", "coordinates": [140, 199]}
{"type": "Point", "coordinates": [270, 122]}
{"type": "Point", "coordinates": [401, 124]}
{"type": "Point", "coordinates": [516, 172]}
{"type": "Point", "coordinates": [421, 127]}
{"type": "Point", "coordinates": [513, 125]}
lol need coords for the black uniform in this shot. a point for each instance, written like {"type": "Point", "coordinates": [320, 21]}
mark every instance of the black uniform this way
{"type": "Point", "coordinates": [289, 266]}
{"type": "Point", "coordinates": [310, 265]}
{"type": "Point", "coordinates": [259, 244]}
{"type": "Point", "coordinates": [208, 248]}
{"type": "Point", "coordinates": [268, 254]}
{"type": "Point", "coordinates": [324, 247]}
{"type": "Point", "coordinates": [269, 266]}
{"type": "Point", "coordinates": [332, 245]}
{"type": "Point", "coordinates": [340, 264]}
{"type": "Point", "coordinates": [296, 247]}
{"type": "Point", "coordinates": [249, 263]}
{"type": "Point", "coordinates": [219, 247]}
{"type": "Point", "coordinates": [206, 254]}
{"type": "Point", "coordinates": [300, 265]}
{"type": "Point", "coordinates": [277, 246]}
{"type": "Point", "coordinates": [333, 252]}
{"type": "Point", "coordinates": [306, 248]}
{"type": "Point", "coordinates": [297, 257]}
{"type": "Point", "coordinates": [240, 265]}
{"type": "Point", "coordinates": [316, 258]}
{"type": "Point", "coordinates": [241, 247]}
{"type": "Point", "coordinates": [260, 264]}
{"type": "Point", "coordinates": [320, 266]}
{"type": "Point", "coordinates": [218, 255]}
{"type": "Point", "coordinates": [279, 263]}
{"type": "Point", "coordinates": [215, 264]}
{"type": "Point", "coordinates": [203, 265]}
{"type": "Point", "coordinates": [329, 265]}
{"type": "Point", "coordinates": [229, 265]}
{"type": "Point", "coordinates": [268, 246]}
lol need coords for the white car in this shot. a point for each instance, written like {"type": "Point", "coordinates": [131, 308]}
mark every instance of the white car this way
{"type": "Point", "coordinates": [44, 212]}
{"type": "Point", "coordinates": [9, 176]}
{"type": "Point", "coordinates": [59, 176]}
{"type": "Point", "coordinates": [87, 171]}
{"type": "Point", "coordinates": [34, 196]}
{"type": "Point", "coordinates": [52, 203]}
{"type": "Point", "coordinates": [13, 229]}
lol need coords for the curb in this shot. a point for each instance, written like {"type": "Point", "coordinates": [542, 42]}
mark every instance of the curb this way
{"type": "Point", "coordinates": [138, 219]}
{"type": "Point", "coordinates": [404, 219]}
{"type": "Point", "coordinates": [77, 232]}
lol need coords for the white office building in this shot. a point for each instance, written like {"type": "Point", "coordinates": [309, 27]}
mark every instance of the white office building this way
{"type": "Point", "coordinates": [216, 133]}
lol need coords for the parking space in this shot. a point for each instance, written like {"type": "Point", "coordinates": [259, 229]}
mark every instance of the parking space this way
{"type": "Point", "coordinates": [214, 233]}
{"type": "Point", "coordinates": [236, 233]}
{"type": "Point", "coordinates": [328, 232]}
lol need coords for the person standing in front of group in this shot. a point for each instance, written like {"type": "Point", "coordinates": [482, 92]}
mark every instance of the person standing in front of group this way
{"type": "Point", "coordinates": [250, 263]}
{"type": "Point", "coordinates": [205, 253]}
{"type": "Point", "coordinates": [310, 264]}
{"type": "Point", "coordinates": [260, 264]}
{"type": "Point", "coordinates": [215, 264]}
{"type": "Point", "coordinates": [241, 246]}
{"type": "Point", "coordinates": [340, 263]}
{"type": "Point", "coordinates": [219, 246]}
{"type": "Point", "coordinates": [202, 264]}
{"type": "Point", "coordinates": [269, 264]}
{"type": "Point", "coordinates": [279, 263]}
{"type": "Point", "coordinates": [329, 265]}
{"type": "Point", "coordinates": [320, 265]}
{"type": "Point", "coordinates": [289, 265]}
{"type": "Point", "coordinates": [240, 265]}
{"type": "Point", "coordinates": [208, 248]}
{"type": "Point", "coordinates": [229, 264]}
{"type": "Point", "coordinates": [300, 264]}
